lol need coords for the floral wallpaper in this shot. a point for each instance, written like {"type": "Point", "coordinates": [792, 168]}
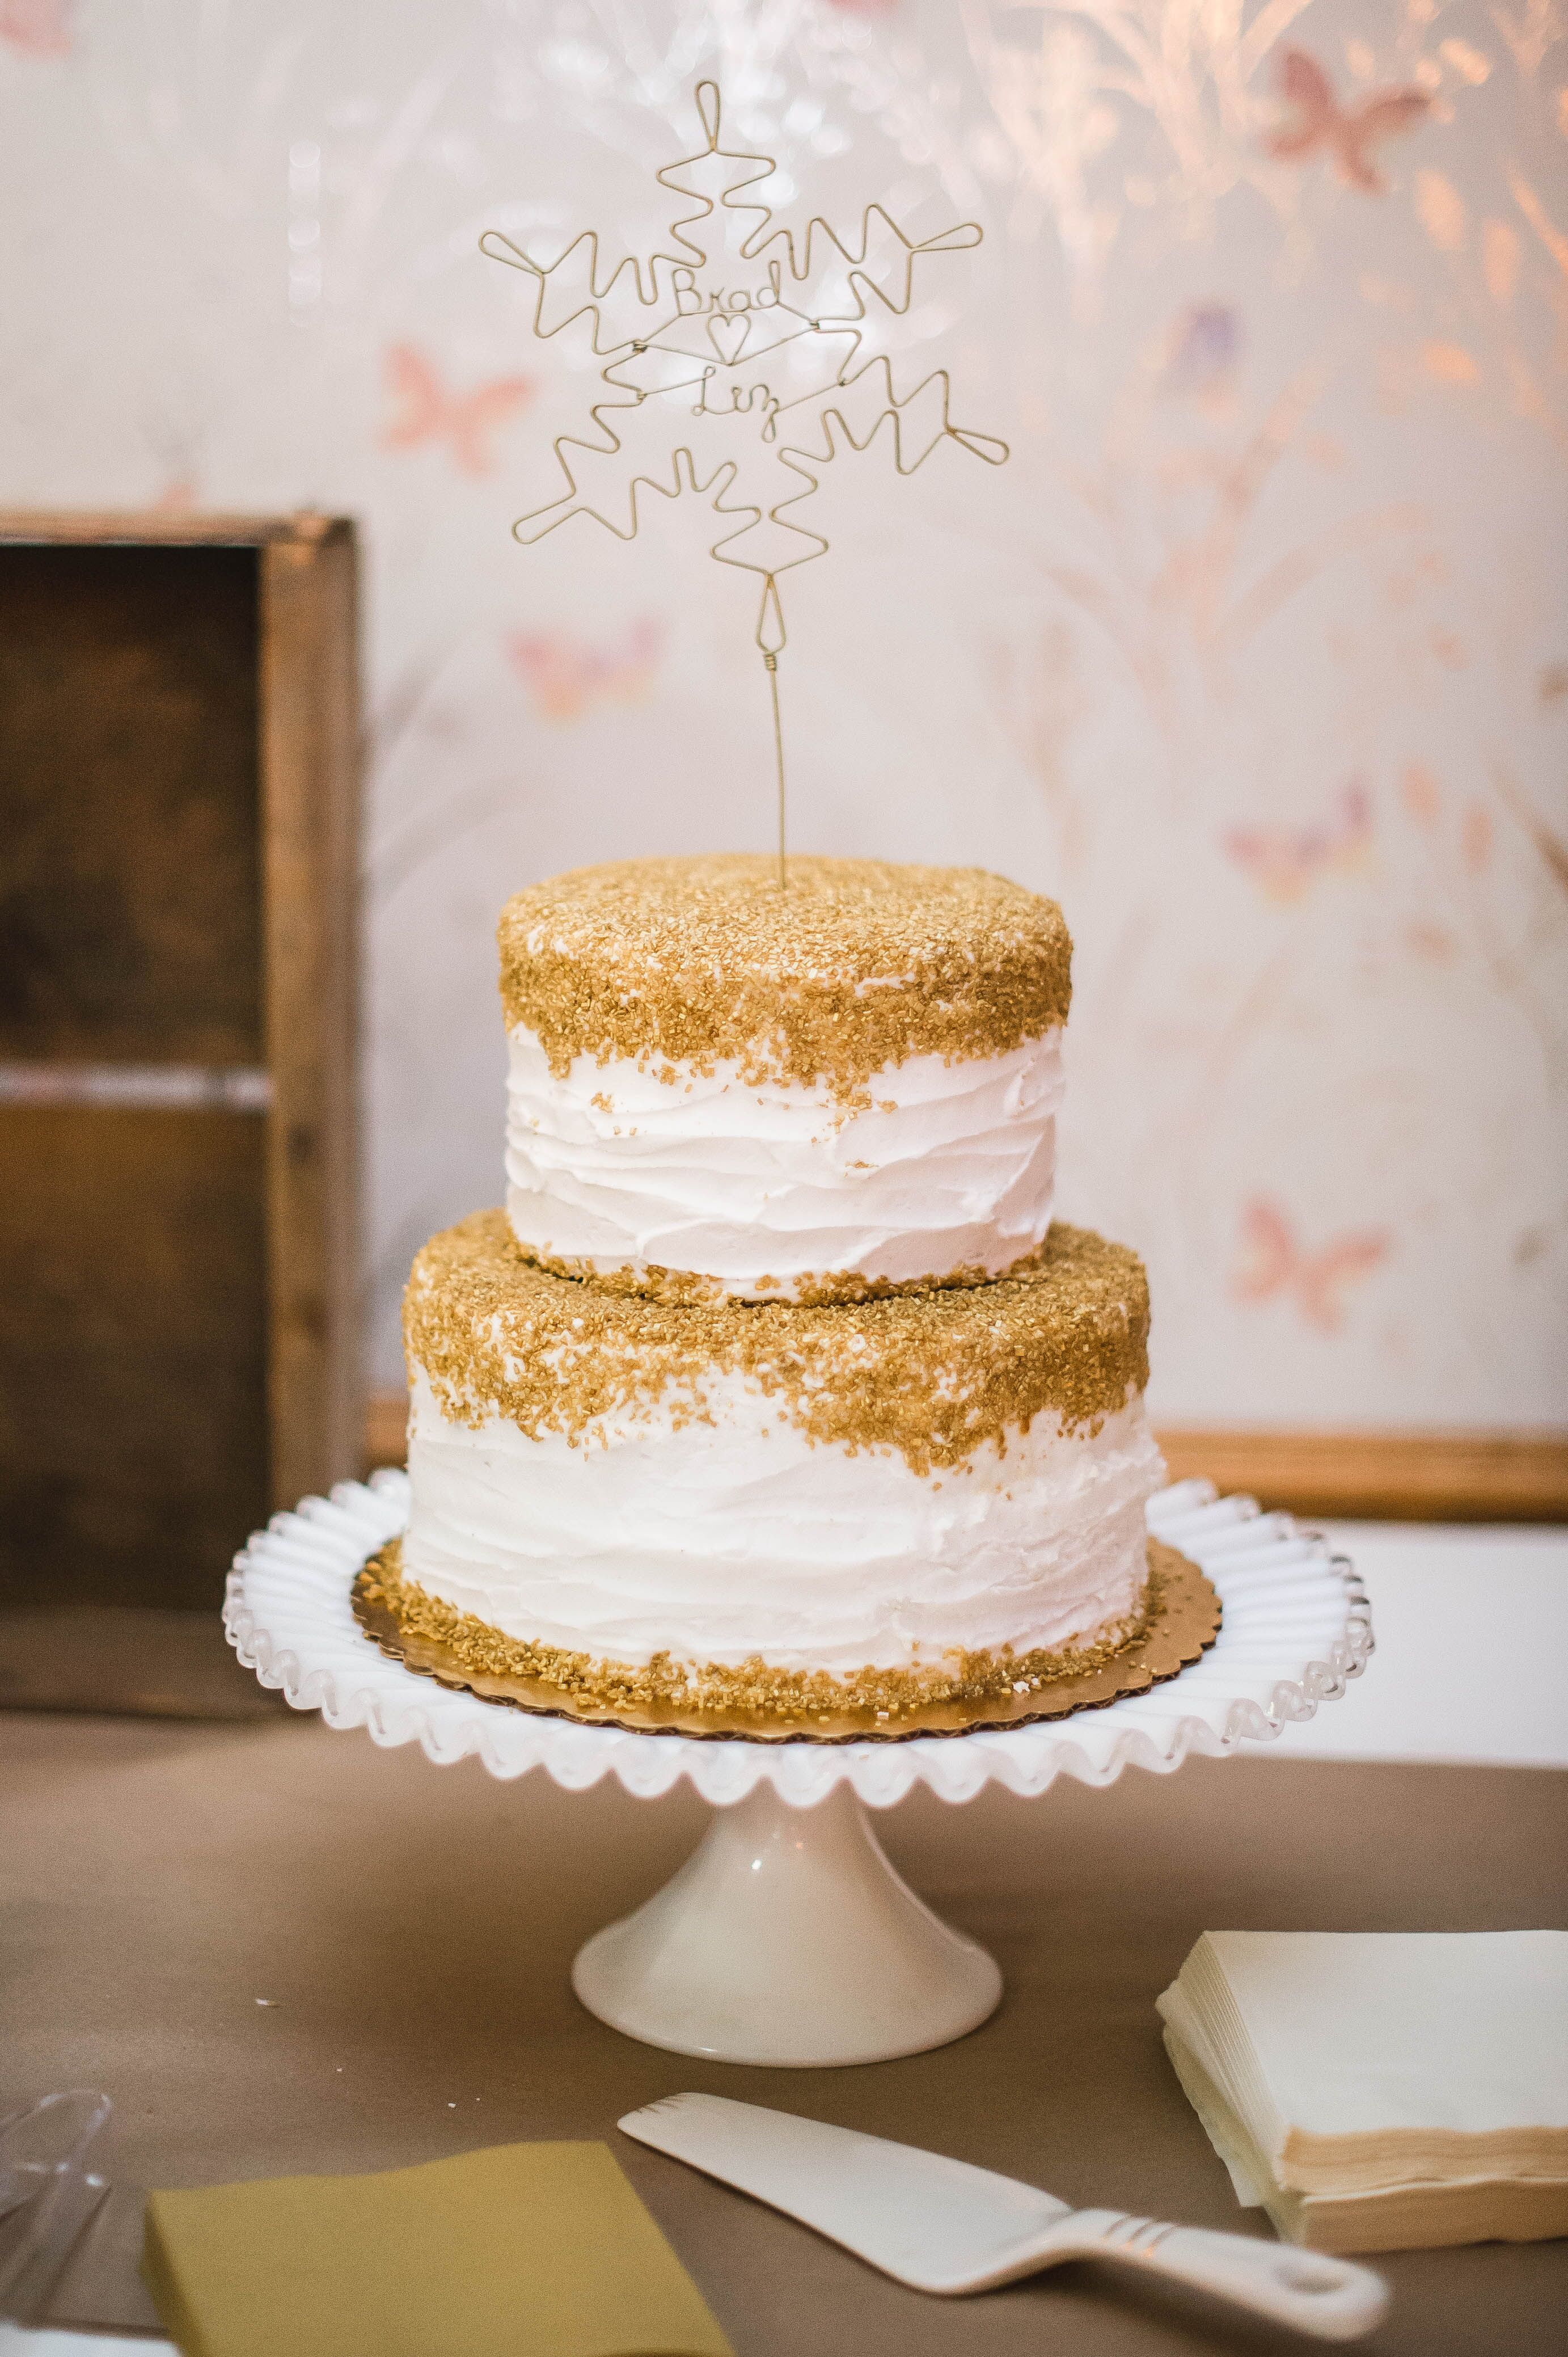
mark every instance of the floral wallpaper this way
{"type": "Point", "coordinates": [1255, 654]}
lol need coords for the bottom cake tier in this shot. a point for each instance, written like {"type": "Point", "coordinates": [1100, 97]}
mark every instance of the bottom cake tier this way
{"type": "Point", "coordinates": [769, 1507]}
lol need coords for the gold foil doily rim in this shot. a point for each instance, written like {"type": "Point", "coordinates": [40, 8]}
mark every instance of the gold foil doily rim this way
{"type": "Point", "coordinates": [1182, 1620]}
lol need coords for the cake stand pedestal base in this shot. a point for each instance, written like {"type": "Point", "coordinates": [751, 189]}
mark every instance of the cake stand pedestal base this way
{"type": "Point", "coordinates": [787, 1939]}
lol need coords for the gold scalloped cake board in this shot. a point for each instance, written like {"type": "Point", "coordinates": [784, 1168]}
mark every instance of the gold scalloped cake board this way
{"type": "Point", "coordinates": [1183, 1620]}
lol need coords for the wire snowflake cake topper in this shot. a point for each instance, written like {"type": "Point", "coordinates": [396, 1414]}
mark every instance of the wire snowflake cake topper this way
{"type": "Point", "coordinates": [738, 367]}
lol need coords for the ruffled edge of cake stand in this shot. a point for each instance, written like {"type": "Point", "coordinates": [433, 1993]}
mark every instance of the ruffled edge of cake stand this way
{"type": "Point", "coordinates": [1297, 1626]}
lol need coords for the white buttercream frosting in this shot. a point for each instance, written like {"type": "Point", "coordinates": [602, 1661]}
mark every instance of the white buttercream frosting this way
{"type": "Point", "coordinates": [719, 1542]}
{"type": "Point", "coordinates": [950, 1168]}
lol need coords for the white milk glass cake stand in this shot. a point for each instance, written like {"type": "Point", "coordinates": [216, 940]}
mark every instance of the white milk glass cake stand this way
{"type": "Point", "coordinates": [787, 1938]}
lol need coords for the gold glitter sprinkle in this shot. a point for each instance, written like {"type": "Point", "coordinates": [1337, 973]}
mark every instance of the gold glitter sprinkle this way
{"type": "Point", "coordinates": [754, 1685]}
{"type": "Point", "coordinates": [934, 1375]}
{"type": "Point", "coordinates": [860, 963]}
{"type": "Point", "coordinates": [658, 1284]}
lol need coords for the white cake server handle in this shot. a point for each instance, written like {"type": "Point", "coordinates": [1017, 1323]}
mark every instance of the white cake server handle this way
{"type": "Point", "coordinates": [1326, 2296]}
{"type": "Point", "coordinates": [948, 2228]}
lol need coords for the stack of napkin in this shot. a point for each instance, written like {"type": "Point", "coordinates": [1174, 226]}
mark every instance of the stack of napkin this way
{"type": "Point", "coordinates": [1382, 2091]}
{"type": "Point", "coordinates": [528, 2250]}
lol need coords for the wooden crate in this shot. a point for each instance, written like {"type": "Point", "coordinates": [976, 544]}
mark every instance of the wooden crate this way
{"type": "Point", "coordinates": [178, 1251]}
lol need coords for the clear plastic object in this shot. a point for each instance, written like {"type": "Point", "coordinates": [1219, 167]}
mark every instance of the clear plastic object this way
{"type": "Point", "coordinates": [48, 2195]}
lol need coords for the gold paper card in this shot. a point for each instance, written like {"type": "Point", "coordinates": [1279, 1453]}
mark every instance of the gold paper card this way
{"type": "Point", "coordinates": [1181, 1618]}
{"type": "Point", "coordinates": [524, 2249]}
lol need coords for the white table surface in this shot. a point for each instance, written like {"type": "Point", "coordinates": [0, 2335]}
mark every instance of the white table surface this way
{"type": "Point", "coordinates": [23, 2340]}
{"type": "Point", "coordinates": [1472, 1633]}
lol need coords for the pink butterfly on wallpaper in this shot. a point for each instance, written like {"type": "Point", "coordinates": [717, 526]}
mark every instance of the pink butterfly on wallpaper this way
{"type": "Point", "coordinates": [39, 28]}
{"type": "Point", "coordinates": [1345, 135]}
{"type": "Point", "coordinates": [1273, 1265]}
{"type": "Point", "coordinates": [567, 675]}
{"type": "Point", "coordinates": [1285, 862]}
{"type": "Point", "coordinates": [427, 412]}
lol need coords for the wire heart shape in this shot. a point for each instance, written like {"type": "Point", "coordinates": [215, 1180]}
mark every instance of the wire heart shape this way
{"type": "Point", "coordinates": [727, 334]}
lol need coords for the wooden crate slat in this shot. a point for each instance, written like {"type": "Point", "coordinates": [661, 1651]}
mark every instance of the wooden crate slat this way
{"type": "Point", "coordinates": [310, 772]}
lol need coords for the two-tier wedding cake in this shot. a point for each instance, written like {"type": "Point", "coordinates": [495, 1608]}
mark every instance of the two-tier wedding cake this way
{"type": "Point", "coordinates": [774, 1390]}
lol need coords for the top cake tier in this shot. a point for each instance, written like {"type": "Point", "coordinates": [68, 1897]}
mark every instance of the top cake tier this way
{"type": "Point", "coordinates": [842, 1088]}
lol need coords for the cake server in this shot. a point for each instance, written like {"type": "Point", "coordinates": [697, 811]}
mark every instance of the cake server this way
{"type": "Point", "coordinates": [945, 2227]}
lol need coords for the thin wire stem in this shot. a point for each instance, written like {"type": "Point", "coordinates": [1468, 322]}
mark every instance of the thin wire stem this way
{"type": "Point", "coordinates": [772, 638]}
{"type": "Point", "coordinates": [772, 663]}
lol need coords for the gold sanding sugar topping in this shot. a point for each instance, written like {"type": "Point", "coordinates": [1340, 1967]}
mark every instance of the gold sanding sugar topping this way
{"type": "Point", "coordinates": [933, 1375]}
{"type": "Point", "coordinates": [660, 1284]}
{"type": "Point", "coordinates": [854, 965]}
{"type": "Point", "coordinates": [755, 1687]}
